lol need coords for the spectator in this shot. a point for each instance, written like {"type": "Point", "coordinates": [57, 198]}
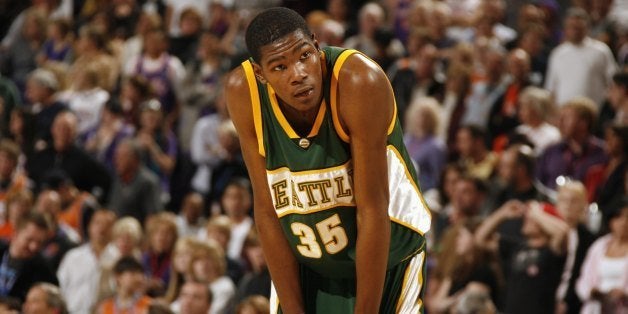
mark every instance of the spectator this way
{"type": "Point", "coordinates": [180, 270]}
{"type": "Point", "coordinates": [91, 48]}
{"type": "Point", "coordinates": [102, 140]}
{"type": "Point", "coordinates": [534, 264]}
{"type": "Point", "coordinates": [603, 282]}
{"type": "Point", "coordinates": [595, 63]}
{"type": "Point", "coordinates": [41, 88]}
{"type": "Point", "coordinates": [231, 164]}
{"type": "Point", "coordinates": [10, 99]}
{"type": "Point", "coordinates": [208, 266]}
{"type": "Point", "coordinates": [535, 105]}
{"type": "Point", "coordinates": [85, 98]}
{"type": "Point", "coordinates": [129, 296]}
{"type": "Point", "coordinates": [577, 151]}
{"type": "Point", "coordinates": [515, 177]}
{"type": "Point", "coordinates": [22, 264]}
{"type": "Point", "coordinates": [65, 155]}
{"type": "Point", "coordinates": [457, 88]}
{"type": "Point", "coordinates": [174, 9]}
{"type": "Point", "coordinates": [158, 143]}
{"type": "Point", "coordinates": [135, 92]}
{"type": "Point", "coordinates": [475, 157]}
{"type": "Point", "coordinates": [161, 236]}
{"type": "Point", "coordinates": [257, 280]}
{"type": "Point", "coordinates": [618, 97]}
{"type": "Point", "coordinates": [58, 45]}
{"type": "Point", "coordinates": [80, 269]}
{"type": "Point", "coordinates": [22, 130]}
{"type": "Point", "coordinates": [12, 179]}
{"type": "Point", "coordinates": [17, 205]}
{"type": "Point", "coordinates": [532, 40]}
{"type": "Point", "coordinates": [135, 189]}
{"type": "Point", "coordinates": [253, 305]}
{"type": "Point", "coordinates": [571, 204]}
{"type": "Point", "coordinates": [424, 147]}
{"type": "Point", "coordinates": [133, 46]}
{"type": "Point", "coordinates": [236, 201]}
{"type": "Point", "coordinates": [44, 298]}
{"type": "Point", "coordinates": [191, 220]}
{"type": "Point", "coordinates": [184, 45]}
{"type": "Point", "coordinates": [219, 230]}
{"type": "Point", "coordinates": [371, 17]}
{"type": "Point", "coordinates": [195, 298]}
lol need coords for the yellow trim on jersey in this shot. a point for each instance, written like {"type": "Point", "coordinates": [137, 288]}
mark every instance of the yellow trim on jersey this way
{"type": "Point", "coordinates": [391, 127]}
{"type": "Point", "coordinates": [300, 211]}
{"type": "Point", "coordinates": [409, 176]}
{"type": "Point", "coordinates": [306, 172]}
{"type": "Point", "coordinates": [405, 224]}
{"type": "Point", "coordinates": [255, 104]}
{"type": "Point", "coordinates": [403, 296]}
{"type": "Point", "coordinates": [334, 92]}
{"type": "Point", "coordinates": [285, 125]}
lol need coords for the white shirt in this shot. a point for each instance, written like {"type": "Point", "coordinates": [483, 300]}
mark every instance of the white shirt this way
{"type": "Point", "coordinates": [86, 105]}
{"type": "Point", "coordinates": [79, 275]}
{"type": "Point", "coordinates": [580, 70]}
{"type": "Point", "coordinates": [238, 236]}
{"type": "Point", "coordinates": [223, 292]}
{"type": "Point", "coordinates": [187, 230]}
{"type": "Point", "coordinates": [176, 70]}
{"type": "Point", "coordinates": [542, 136]}
{"type": "Point", "coordinates": [205, 150]}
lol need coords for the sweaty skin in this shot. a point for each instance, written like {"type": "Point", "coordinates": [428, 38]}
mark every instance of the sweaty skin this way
{"type": "Point", "coordinates": [292, 66]}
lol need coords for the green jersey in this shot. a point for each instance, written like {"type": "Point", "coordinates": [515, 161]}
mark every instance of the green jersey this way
{"type": "Point", "coordinates": [310, 179]}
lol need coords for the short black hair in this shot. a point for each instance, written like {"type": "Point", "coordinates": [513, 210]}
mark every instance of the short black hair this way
{"type": "Point", "coordinates": [127, 264]}
{"type": "Point", "coordinates": [621, 79]}
{"type": "Point", "coordinates": [269, 26]}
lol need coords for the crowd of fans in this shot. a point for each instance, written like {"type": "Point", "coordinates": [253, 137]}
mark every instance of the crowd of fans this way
{"type": "Point", "coordinates": [123, 189]}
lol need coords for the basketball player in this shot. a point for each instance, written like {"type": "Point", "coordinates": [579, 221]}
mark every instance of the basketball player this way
{"type": "Point", "coordinates": [339, 213]}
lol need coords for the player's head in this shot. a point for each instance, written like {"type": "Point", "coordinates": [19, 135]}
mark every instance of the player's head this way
{"type": "Point", "coordinates": [271, 25]}
{"type": "Point", "coordinates": [286, 56]}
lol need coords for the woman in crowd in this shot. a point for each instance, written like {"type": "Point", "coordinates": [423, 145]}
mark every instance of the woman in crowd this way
{"type": "Point", "coordinates": [161, 234]}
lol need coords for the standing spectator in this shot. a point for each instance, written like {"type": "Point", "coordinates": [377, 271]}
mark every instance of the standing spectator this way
{"type": "Point", "coordinates": [41, 87]}
{"type": "Point", "coordinates": [135, 190]}
{"type": "Point", "coordinates": [603, 282]}
{"type": "Point", "coordinates": [80, 269]}
{"type": "Point", "coordinates": [92, 51]}
{"type": "Point", "coordinates": [129, 296]}
{"type": "Point", "coordinates": [457, 87]}
{"type": "Point", "coordinates": [571, 204]}
{"type": "Point", "coordinates": [135, 91]}
{"type": "Point", "coordinates": [595, 63]}
{"type": "Point", "coordinates": [535, 105]}
{"type": "Point", "coordinates": [58, 45]}
{"type": "Point", "coordinates": [65, 155]}
{"type": "Point", "coordinates": [535, 264]}
{"type": "Point", "coordinates": [515, 177]}
{"type": "Point", "coordinates": [578, 150]}
{"type": "Point", "coordinates": [236, 202]}
{"type": "Point", "coordinates": [475, 157]}
{"type": "Point", "coordinates": [44, 298]}
{"type": "Point", "coordinates": [424, 147]}
{"type": "Point", "coordinates": [191, 220]}
{"type": "Point", "coordinates": [133, 46]}
{"type": "Point", "coordinates": [22, 264]}
{"type": "Point", "coordinates": [85, 98]}
{"type": "Point", "coordinates": [185, 44]}
{"type": "Point", "coordinates": [195, 298]}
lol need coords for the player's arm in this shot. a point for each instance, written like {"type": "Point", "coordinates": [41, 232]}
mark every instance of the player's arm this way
{"type": "Point", "coordinates": [365, 109]}
{"type": "Point", "coordinates": [281, 262]}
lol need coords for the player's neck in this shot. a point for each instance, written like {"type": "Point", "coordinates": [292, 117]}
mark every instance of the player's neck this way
{"type": "Point", "coordinates": [300, 120]}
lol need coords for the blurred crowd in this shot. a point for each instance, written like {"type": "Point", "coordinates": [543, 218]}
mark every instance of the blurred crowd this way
{"type": "Point", "coordinates": [123, 189]}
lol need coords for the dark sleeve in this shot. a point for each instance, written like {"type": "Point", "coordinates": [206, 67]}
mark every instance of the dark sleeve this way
{"type": "Point", "coordinates": [99, 179]}
{"type": "Point", "coordinates": [152, 201]}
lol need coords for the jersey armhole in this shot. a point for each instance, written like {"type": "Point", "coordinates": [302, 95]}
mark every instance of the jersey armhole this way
{"type": "Point", "coordinates": [256, 106]}
{"type": "Point", "coordinates": [334, 94]}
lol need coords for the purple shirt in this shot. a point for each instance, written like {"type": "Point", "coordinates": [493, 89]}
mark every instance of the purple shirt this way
{"type": "Point", "coordinates": [429, 155]}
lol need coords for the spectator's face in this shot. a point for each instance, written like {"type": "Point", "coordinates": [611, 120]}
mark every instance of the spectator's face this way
{"type": "Point", "coordinates": [194, 298]}
{"type": "Point", "coordinates": [131, 281]}
{"type": "Point", "coordinates": [292, 66]}
{"type": "Point", "coordinates": [7, 165]}
{"type": "Point", "coordinates": [571, 206]}
{"type": "Point", "coordinates": [518, 65]}
{"type": "Point", "coordinates": [28, 241]}
{"type": "Point", "coordinates": [526, 113]}
{"type": "Point", "coordinates": [568, 122]}
{"type": "Point", "coordinates": [575, 30]}
{"type": "Point", "coordinates": [203, 268]}
{"type": "Point", "coordinates": [217, 235]}
{"type": "Point", "coordinates": [155, 44]}
{"type": "Point", "coordinates": [466, 198]}
{"type": "Point", "coordinates": [451, 178]}
{"type": "Point", "coordinates": [125, 160]}
{"type": "Point", "coordinates": [616, 95]}
{"type": "Point", "coordinates": [236, 201]}
{"type": "Point", "coordinates": [181, 260]}
{"type": "Point", "coordinates": [125, 244]}
{"type": "Point", "coordinates": [63, 131]}
{"type": "Point", "coordinates": [36, 302]}
{"type": "Point", "coordinates": [49, 203]}
{"type": "Point", "coordinates": [162, 239]}
{"type": "Point", "coordinates": [99, 228]}
{"type": "Point", "coordinates": [530, 227]}
{"type": "Point", "coordinates": [150, 119]}
{"type": "Point", "coordinates": [506, 169]}
{"type": "Point", "coordinates": [35, 92]}
{"type": "Point", "coordinates": [193, 208]}
{"type": "Point", "coordinates": [619, 225]}
{"type": "Point", "coordinates": [464, 143]}
{"type": "Point", "coordinates": [255, 255]}
{"type": "Point", "coordinates": [614, 143]}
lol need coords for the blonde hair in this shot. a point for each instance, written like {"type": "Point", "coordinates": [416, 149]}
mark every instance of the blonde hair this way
{"type": "Point", "coordinates": [538, 100]}
{"type": "Point", "coordinates": [258, 303]}
{"type": "Point", "coordinates": [221, 224]}
{"type": "Point", "coordinates": [575, 187]}
{"type": "Point", "coordinates": [128, 226]}
{"type": "Point", "coordinates": [584, 107]}
{"type": "Point", "coordinates": [427, 106]}
{"type": "Point", "coordinates": [212, 251]}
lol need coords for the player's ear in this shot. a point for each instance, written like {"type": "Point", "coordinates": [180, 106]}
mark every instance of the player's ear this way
{"type": "Point", "coordinates": [315, 41]}
{"type": "Point", "coordinates": [257, 69]}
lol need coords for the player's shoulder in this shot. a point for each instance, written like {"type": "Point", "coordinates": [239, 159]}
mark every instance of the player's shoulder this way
{"type": "Point", "coordinates": [362, 71]}
{"type": "Point", "coordinates": [236, 81]}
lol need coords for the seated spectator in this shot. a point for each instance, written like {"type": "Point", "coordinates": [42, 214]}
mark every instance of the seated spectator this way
{"type": "Point", "coordinates": [219, 230]}
{"type": "Point", "coordinates": [11, 99]}
{"type": "Point", "coordinates": [85, 98]}
{"type": "Point", "coordinates": [515, 177]}
{"type": "Point", "coordinates": [41, 87]}
{"type": "Point", "coordinates": [195, 298]}
{"type": "Point", "coordinates": [457, 87]}
{"type": "Point", "coordinates": [135, 189]}
{"type": "Point", "coordinates": [180, 270]}
{"type": "Point", "coordinates": [58, 45]}
{"type": "Point", "coordinates": [462, 267]}
{"type": "Point", "coordinates": [475, 156]}
{"type": "Point", "coordinates": [10, 305]}
{"type": "Point", "coordinates": [18, 206]}
{"type": "Point", "coordinates": [12, 179]}
{"type": "Point", "coordinates": [231, 165]}
{"type": "Point", "coordinates": [129, 295]}
{"type": "Point", "coordinates": [102, 140]}
{"type": "Point", "coordinates": [257, 280]}
{"type": "Point", "coordinates": [236, 202]}
{"type": "Point", "coordinates": [533, 266]}
{"type": "Point", "coordinates": [44, 298]}
{"type": "Point", "coordinates": [208, 266]}
{"type": "Point", "coordinates": [161, 235]}
{"type": "Point", "coordinates": [603, 282]}
{"type": "Point", "coordinates": [191, 220]}
{"type": "Point", "coordinates": [467, 202]}
{"type": "Point", "coordinates": [256, 304]}
{"type": "Point", "coordinates": [535, 105]}
{"type": "Point", "coordinates": [371, 17]}
{"type": "Point", "coordinates": [134, 92]}
{"type": "Point", "coordinates": [22, 130]}
{"type": "Point", "coordinates": [61, 238]}
{"type": "Point", "coordinates": [605, 182]}
{"type": "Point", "coordinates": [80, 269]}
{"type": "Point", "coordinates": [618, 98]}
{"type": "Point", "coordinates": [22, 263]}
{"type": "Point", "coordinates": [424, 147]}
{"type": "Point", "coordinates": [577, 151]}
{"type": "Point", "coordinates": [91, 50]}
{"type": "Point", "coordinates": [65, 155]}
{"type": "Point", "coordinates": [126, 241]}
